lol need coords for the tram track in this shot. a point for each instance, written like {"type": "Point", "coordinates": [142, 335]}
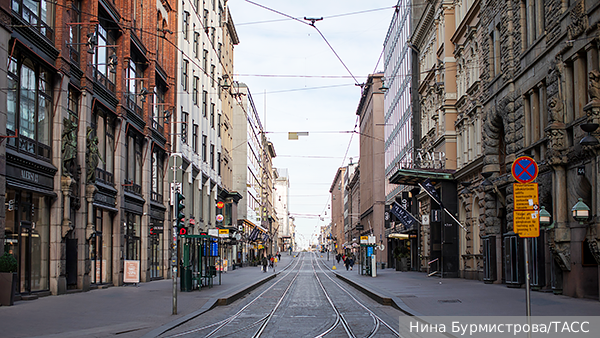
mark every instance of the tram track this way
{"type": "Point", "coordinates": [246, 320]}
{"type": "Point", "coordinates": [218, 326]}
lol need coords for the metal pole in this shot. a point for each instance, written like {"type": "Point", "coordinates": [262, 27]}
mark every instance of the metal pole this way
{"type": "Point", "coordinates": [527, 287]}
{"type": "Point", "coordinates": [174, 254]}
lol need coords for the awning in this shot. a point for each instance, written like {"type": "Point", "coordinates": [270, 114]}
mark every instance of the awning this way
{"type": "Point", "coordinates": [416, 176]}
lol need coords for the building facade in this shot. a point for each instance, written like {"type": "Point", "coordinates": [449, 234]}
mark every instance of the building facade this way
{"type": "Point", "coordinates": [372, 173]}
{"type": "Point", "coordinates": [87, 146]}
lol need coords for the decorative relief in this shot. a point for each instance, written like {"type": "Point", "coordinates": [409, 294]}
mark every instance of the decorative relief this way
{"type": "Point", "coordinates": [561, 253]}
{"type": "Point", "coordinates": [594, 89]}
{"type": "Point", "coordinates": [579, 21]}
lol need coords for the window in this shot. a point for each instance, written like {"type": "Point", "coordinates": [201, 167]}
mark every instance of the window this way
{"type": "Point", "coordinates": [38, 14]}
{"type": "Point", "coordinates": [212, 156]}
{"type": "Point", "coordinates": [219, 164]}
{"type": "Point", "coordinates": [161, 28]}
{"type": "Point", "coordinates": [157, 175]}
{"type": "Point", "coordinates": [105, 59]}
{"type": "Point", "coordinates": [532, 21]}
{"type": "Point", "coordinates": [212, 75]}
{"type": "Point", "coordinates": [196, 44]}
{"type": "Point", "coordinates": [184, 75]}
{"type": "Point", "coordinates": [204, 148]}
{"type": "Point", "coordinates": [104, 124]}
{"type": "Point", "coordinates": [196, 5]}
{"type": "Point", "coordinates": [195, 138]}
{"type": "Point", "coordinates": [184, 127]}
{"type": "Point", "coordinates": [29, 106]}
{"type": "Point", "coordinates": [133, 173]}
{"type": "Point", "coordinates": [132, 236]}
{"type": "Point", "coordinates": [186, 24]}
{"type": "Point", "coordinates": [212, 115]}
{"type": "Point", "coordinates": [219, 47]}
{"type": "Point", "coordinates": [206, 19]}
{"type": "Point", "coordinates": [205, 61]}
{"type": "Point", "coordinates": [204, 102]}
{"type": "Point", "coordinates": [135, 97]}
{"type": "Point", "coordinates": [73, 105]}
{"type": "Point", "coordinates": [74, 32]}
{"type": "Point", "coordinates": [158, 110]}
{"type": "Point", "coordinates": [195, 90]}
{"type": "Point", "coordinates": [219, 126]}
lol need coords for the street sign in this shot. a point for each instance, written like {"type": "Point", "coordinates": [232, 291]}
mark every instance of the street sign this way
{"type": "Point", "coordinates": [364, 239]}
{"type": "Point", "coordinates": [524, 169]}
{"type": "Point", "coordinates": [525, 196]}
{"type": "Point", "coordinates": [223, 233]}
{"type": "Point", "coordinates": [526, 223]}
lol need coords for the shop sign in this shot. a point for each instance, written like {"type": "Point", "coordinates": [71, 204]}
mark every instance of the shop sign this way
{"type": "Point", "coordinates": [131, 272]}
{"type": "Point", "coordinates": [223, 233]}
{"type": "Point", "coordinates": [364, 239]}
{"type": "Point", "coordinates": [213, 232]}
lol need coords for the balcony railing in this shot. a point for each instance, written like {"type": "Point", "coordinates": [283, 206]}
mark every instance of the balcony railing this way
{"type": "Point", "coordinates": [33, 19]}
{"type": "Point", "coordinates": [29, 146]}
{"type": "Point", "coordinates": [132, 104]}
{"type": "Point", "coordinates": [156, 125]}
{"type": "Point", "coordinates": [105, 177]}
{"type": "Point", "coordinates": [104, 81]}
{"type": "Point", "coordinates": [132, 187]}
{"type": "Point", "coordinates": [156, 197]}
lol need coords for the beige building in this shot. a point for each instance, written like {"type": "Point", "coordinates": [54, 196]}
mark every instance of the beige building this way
{"type": "Point", "coordinates": [372, 171]}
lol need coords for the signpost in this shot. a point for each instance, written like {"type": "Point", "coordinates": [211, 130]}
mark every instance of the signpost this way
{"type": "Point", "coordinates": [526, 221]}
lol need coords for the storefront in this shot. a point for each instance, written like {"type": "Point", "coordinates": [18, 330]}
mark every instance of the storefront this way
{"type": "Point", "coordinates": [102, 240]}
{"type": "Point", "coordinates": [28, 198]}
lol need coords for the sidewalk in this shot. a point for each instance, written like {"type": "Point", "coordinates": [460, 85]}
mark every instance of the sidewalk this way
{"type": "Point", "coordinates": [128, 311]}
{"type": "Point", "coordinates": [416, 294]}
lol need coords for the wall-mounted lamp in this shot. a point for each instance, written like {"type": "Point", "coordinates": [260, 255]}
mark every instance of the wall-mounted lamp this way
{"type": "Point", "coordinates": [589, 139]}
{"type": "Point", "coordinates": [383, 87]}
{"type": "Point", "coordinates": [545, 218]}
{"type": "Point", "coordinates": [581, 212]}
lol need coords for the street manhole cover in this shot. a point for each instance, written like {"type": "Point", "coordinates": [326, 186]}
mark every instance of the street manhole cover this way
{"type": "Point", "coordinates": [449, 301]}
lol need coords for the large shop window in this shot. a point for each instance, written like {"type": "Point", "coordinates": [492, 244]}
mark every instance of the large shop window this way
{"type": "Point", "coordinates": [27, 236]}
{"type": "Point", "coordinates": [39, 14]}
{"type": "Point", "coordinates": [29, 107]}
{"type": "Point", "coordinates": [132, 236]}
{"type": "Point", "coordinates": [104, 126]}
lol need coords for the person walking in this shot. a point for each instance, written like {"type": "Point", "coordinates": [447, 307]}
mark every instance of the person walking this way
{"type": "Point", "coordinates": [347, 262]}
{"type": "Point", "coordinates": [278, 256]}
{"type": "Point", "coordinates": [351, 262]}
{"type": "Point", "coordinates": [264, 263]}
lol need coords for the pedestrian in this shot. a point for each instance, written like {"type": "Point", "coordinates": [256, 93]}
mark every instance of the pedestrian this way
{"type": "Point", "coordinates": [278, 256]}
{"type": "Point", "coordinates": [347, 262]}
{"type": "Point", "coordinates": [351, 262]}
{"type": "Point", "coordinates": [264, 263]}
{"type": "Point", "coordinates": [271, 262]}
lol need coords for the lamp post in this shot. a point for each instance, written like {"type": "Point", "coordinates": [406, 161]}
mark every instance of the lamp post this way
{"type": "Point", "coordinates": [581, 212]}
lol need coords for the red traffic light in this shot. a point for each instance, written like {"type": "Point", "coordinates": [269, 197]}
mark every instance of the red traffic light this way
{"type": "Point", "coordinates": [182, 231]}
{"type": "Point", "coordinates": [220, 204]}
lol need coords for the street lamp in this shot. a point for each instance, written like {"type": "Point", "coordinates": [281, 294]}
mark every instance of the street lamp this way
{"type": "Point", "coordinates": [545, 217]}
{"type": "Point", "coordinates": [581, 212]}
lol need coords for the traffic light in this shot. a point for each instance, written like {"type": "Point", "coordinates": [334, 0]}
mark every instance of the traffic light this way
{"type": "Point", "coordinates": [179, 206]}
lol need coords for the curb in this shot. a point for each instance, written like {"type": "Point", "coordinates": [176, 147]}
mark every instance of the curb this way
{"type": "Point", "coordinates": [211, 304]}
{"type": "Point", "coordinates": [377, 296]}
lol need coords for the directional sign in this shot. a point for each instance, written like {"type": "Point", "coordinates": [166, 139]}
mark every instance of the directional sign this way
{"type": "Point", "coordinates": [526, 223]}
{"type": "Point", "coordinates": [525, 196]}
{"type": "Point", "coordinates": [524, 169]}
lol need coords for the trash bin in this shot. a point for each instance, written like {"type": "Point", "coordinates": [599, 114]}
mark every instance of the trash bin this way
{"type": "Point", "coordinates": [186, 279]}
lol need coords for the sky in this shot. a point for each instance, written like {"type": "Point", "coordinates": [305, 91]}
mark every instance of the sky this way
{"type": "Point", "coordinates": [299, 85]}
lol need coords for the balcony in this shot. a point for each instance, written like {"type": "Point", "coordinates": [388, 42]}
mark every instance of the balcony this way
{"type": "Point", "coordinates": [156, 125]}
{"type": "Point", "coordinates": [156, 197]}
{"type": "Point", "coordinates": [104, 81]}
{"type": "Point", "coordinates": [105, 177]}
{"type": "Point", "coordinates": [133, 188]}
{"type": "Point", "coordinates": [132, 104]}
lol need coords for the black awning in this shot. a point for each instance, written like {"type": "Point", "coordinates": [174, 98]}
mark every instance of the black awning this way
{"type": "Point", "coordinates": [418, 175]}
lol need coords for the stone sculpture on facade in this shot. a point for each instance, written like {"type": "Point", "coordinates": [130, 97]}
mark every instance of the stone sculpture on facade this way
{"type": "Point", "coordinates": [92, 157]}
{"type": "Point", "coordinates": [69, 146]}
{"type": "Point", "coordinates": [594, 88]}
